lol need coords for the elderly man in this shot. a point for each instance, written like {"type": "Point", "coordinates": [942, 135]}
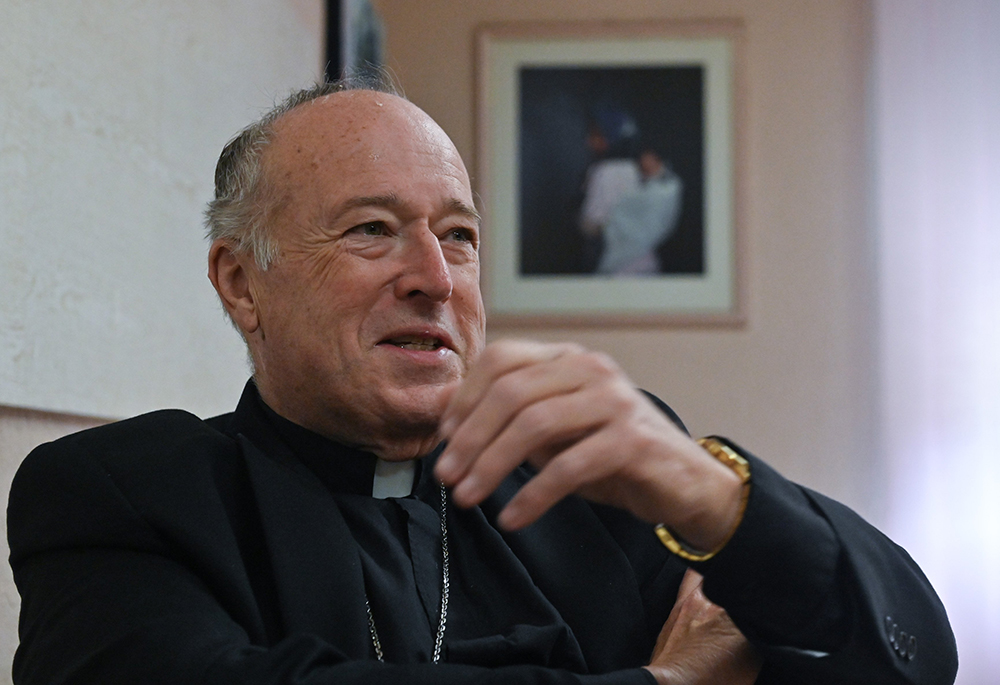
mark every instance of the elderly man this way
{"type": "Point", "coordinates": [319, 535]}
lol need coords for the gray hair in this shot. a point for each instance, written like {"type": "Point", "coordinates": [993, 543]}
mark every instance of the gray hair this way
{"type": "Point", "coordinates": [240, 211]}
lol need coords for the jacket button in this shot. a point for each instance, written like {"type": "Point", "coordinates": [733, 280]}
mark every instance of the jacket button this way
{"type": "Point", "coordinates": [904, 644]}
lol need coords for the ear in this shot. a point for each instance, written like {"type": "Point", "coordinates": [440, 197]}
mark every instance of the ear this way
{"type": "Point", "coordinates": [231, 279]}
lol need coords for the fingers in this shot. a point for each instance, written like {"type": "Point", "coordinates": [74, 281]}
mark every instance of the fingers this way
{"type": "Point", "coordinates": [585, 465]}
{"type": "Point", "coordinates": [699, 643]}
{"type": "Point", "coordinates": [692, 581]}
{"type": "Point", "coordinates": [560, 477]}
{"type": "Point", "coordinates": [537, 432]}
{"type": "Point", "coordinates": [497, 360]}
{"type": "Point", "coordinates": [503, 411]}
{"type": "Point", "coordinates": [691, 605]}
{"type": "Point", "coordinates": [518, 395]}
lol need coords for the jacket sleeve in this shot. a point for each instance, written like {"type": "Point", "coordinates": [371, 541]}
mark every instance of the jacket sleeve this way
{"type": "Point", "coordinates": [825, 596]}
{"type": "Point", "coordinates": [108, 598]}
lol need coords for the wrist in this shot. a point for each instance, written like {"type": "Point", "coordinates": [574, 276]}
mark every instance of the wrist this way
{"type": "Point", "coordinates": [706, 531]}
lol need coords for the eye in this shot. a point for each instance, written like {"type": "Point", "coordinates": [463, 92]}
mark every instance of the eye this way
{"type": "Point", "coordinates": [462, 235]}
{"type": "Point", "coordinates": [374, 228]}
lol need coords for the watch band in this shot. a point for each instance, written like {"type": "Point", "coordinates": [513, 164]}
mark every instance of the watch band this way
{"type": "Point", "coordinates": [741, 467]}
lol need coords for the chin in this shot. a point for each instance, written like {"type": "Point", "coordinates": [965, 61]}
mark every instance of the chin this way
{"type": "Point", "coordinates": [418, 406]}
{"type": "Point", "coordinates": [423, 401]}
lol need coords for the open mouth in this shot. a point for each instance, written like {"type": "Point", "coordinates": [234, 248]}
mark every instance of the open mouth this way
{"type": "Point", "coordinates": [413, 342]}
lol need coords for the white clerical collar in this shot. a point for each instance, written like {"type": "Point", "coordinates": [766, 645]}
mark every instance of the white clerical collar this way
{"type": "Point", "coordinates": [393, 478]}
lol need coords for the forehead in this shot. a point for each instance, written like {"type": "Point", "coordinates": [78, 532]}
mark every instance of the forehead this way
{"type": "Point", "coordinates": [360, 138]}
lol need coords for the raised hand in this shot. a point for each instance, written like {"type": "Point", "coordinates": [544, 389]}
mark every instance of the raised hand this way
{"type": "Point", "coordinates": [575, 416]}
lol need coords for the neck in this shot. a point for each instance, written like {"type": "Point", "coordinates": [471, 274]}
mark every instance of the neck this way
{"type": "Point", "coordinates": [399, 450]}
{"type": "Point", "coordinates": [396, 440]}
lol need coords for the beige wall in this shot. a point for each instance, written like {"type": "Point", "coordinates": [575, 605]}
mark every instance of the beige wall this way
{"type": "Point", "coordinates": [796, 384]}
{"type": "Point", "coordinates": [112, 116]}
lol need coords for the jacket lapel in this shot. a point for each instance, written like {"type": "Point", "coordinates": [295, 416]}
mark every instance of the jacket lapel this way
{"type": "Point", "coordinates": [317, 570]}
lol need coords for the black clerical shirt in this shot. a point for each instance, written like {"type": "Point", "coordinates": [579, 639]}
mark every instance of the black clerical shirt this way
{"type": "Point", "coordinates": [496, 614]}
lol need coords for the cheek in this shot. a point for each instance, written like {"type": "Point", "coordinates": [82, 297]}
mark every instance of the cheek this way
{"type": "Point", "coordinates": [466, 279]}
{"type": "Point", "coordinates": [466, 286]}
{"type": "Point", "coordinates": [316, 321]}
{"type": "Point", "coordinates": [343, 289]}
{"type": "Point", "coordinates": [472, 313]}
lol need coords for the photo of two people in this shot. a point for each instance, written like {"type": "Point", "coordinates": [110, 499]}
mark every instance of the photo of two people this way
{"type": "Point", "coordinates": [611, 171]}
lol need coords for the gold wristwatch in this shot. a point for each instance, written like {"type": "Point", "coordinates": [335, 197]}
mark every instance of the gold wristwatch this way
{"type": "Point", "coordinates": [741, 467]}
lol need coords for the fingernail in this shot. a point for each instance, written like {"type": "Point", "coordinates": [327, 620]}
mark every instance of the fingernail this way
{"type": "Point", "coordinates": [509, 519]}
{"type": "Point", "coordinates": [465, 491]}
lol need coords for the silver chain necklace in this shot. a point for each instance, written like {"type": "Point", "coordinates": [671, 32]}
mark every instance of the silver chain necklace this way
{"type": "Point", "coordinates": [443, 620]}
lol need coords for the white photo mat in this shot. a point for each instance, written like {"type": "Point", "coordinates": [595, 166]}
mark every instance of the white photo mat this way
{"type": "Point", "coordinates": [710, 297]}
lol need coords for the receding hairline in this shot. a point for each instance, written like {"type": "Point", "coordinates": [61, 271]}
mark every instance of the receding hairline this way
{"type": "Point", "coordinates": [364, 97]}
{"type": "Point", "coordinates": [280, 140]}
{"type": "Point", "coordinates": [341, 117]}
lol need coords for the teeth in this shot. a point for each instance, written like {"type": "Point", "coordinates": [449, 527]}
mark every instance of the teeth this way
{"type": "Point", "coordinates": [426, 347]}
{"type": "Point", "coordinates": [415, 343]}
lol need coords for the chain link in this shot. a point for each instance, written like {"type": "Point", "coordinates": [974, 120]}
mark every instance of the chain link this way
{"type": "Point", "coordinates": [443, 621]}
{"type": "Point", "coordinates": [374, 633]}
{"type": "Point", "coordinates": [445, 586]}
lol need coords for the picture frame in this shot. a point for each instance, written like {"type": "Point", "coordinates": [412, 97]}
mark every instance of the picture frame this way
{"type": "Point", "coordinates": [608, 166]}
{"type": "Point", "coordinates": [355, 39]}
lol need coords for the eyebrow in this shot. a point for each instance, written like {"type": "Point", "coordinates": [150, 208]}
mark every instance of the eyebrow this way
{"type": "Point", "coordinates": [392, 201]}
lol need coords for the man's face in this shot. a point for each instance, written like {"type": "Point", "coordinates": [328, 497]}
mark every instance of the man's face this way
{"type": "Point", "coordinates": [372, 312]}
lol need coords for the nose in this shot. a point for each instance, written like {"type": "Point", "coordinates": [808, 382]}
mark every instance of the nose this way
{"type": "Point", "coordinates": [425, 271]}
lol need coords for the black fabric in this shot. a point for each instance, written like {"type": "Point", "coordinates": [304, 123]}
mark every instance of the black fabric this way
{"type": "Point", "coordinates": [167, 549]}
{"type": "Point", "coordinates": [497, 615]}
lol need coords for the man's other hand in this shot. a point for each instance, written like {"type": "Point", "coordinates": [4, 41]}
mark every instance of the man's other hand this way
{"type": "Point", "coordinates": [700, 645]}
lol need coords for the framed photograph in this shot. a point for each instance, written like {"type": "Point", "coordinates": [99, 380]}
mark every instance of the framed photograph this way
{"type": "Point", "coordinates": [608, 168]}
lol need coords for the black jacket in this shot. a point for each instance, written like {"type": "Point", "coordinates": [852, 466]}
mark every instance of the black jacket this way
{"type": "Point", "coordinates": [167, 549]}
